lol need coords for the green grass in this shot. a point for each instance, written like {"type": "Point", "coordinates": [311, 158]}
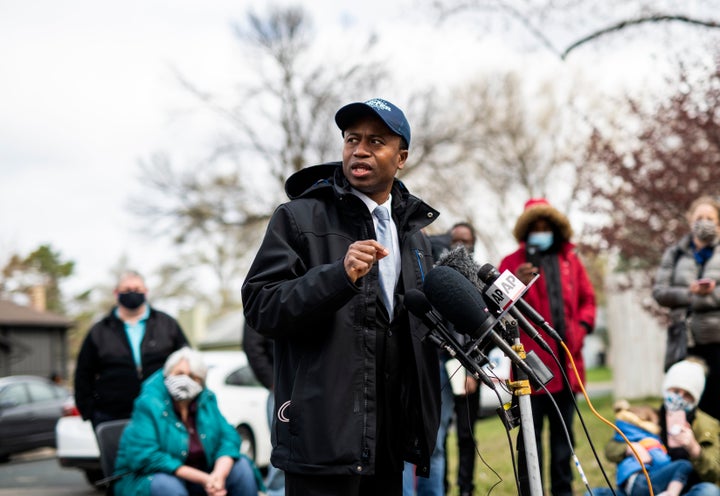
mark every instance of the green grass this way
{"type": "Point", "coordinates": [494, 462]}
{"type": "Point", "coordinates": [493, 466]}
{"type": "Point", "coordinates": [599, 374]}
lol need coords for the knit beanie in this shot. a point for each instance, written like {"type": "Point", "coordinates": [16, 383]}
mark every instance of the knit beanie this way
{"type": "Point", "coordinates": [687, 375]}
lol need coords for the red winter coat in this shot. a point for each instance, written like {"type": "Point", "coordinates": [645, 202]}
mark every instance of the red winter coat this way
{"type": "Point", "coordinates": [579, 307]}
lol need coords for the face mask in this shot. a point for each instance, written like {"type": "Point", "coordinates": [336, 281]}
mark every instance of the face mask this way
{"type": "Point", "coordinates": [131, 300]}
{"type": "Point", "coordinates": [543, 240]}
{"type": "Point", "coordinates": [675, 402]}
{"type": "Point", "coordinates": [182, 387]}
{"type": "Point", "coordinates": [704, 230]}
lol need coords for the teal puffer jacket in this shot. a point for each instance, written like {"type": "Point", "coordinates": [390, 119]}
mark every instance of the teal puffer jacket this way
{"type": "Point", "coordinates": [156, 440]}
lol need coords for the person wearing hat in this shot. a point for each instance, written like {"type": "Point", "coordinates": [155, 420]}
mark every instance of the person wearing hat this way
{"type": "Point", "coordinates": [688, 432]}
{"type": "Point", "coordinates": [356, 391]}
{"type": "Point", "coordinates": [564, 296]}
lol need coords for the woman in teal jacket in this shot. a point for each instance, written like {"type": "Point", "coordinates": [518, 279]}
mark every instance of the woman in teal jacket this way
{"type": "Point", "coordinates": [178, 442]}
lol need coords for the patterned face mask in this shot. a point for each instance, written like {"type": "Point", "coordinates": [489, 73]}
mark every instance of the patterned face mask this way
{"type": "Point", "coordinates": [705, 230]}
{"type": "Point", "coordinates": [182, 387]}
{"type": "Point", "coordinates": [675, 402]}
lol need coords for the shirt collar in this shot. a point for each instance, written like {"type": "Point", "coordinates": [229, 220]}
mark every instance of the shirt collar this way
{"type": "Point", "coordinates": [370, 203]}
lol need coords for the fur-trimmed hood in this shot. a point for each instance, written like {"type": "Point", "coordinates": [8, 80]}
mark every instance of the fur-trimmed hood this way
{"type": "Point", "coordinates": [539, 208]}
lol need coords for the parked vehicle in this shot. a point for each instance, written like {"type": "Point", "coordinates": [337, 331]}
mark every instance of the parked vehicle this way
{"type": "Point", "coordinates": [241, 399]}
{"type": "Point", "coordinates": [499, 371]}
{"type": "Point", "coordinates": [30, 406]}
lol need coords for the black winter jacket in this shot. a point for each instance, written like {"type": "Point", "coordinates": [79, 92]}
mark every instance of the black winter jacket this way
{"type": "Point", "coordinates": [325, 328]}
{"type": "Point", "coordinates": [106, 377]}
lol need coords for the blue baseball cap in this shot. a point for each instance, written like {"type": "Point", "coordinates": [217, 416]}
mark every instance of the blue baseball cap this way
{"type": "Point", "coordinates": [392, 116]}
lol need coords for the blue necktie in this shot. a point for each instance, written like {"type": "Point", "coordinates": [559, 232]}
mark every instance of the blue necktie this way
{"type": "Point", "coordinates": [388, 277]}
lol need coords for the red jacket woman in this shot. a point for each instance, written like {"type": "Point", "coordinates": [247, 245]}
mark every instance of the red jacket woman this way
{"type": "Point", "coordinates": [564, 296]}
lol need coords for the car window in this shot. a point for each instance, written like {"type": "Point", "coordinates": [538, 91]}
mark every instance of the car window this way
{"type": "Point", "coordinates": [40, 392]}
{"type": "Point", "coordinates": [14, 394]}
{"type": "Point", "coordinates": [242, 377]}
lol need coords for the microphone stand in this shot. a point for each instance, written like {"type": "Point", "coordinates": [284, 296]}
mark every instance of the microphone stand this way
{"type": "Point", "coordinates": [522, 390]}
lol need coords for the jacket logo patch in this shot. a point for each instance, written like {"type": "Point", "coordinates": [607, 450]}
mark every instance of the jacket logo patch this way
{"type": "Point", "coordinates": [281, 412]}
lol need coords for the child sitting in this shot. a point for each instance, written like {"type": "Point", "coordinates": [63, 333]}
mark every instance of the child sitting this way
{"type": "Point", "coordinates": [641, 426]}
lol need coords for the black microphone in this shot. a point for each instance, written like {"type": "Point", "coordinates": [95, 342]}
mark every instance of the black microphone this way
{"type": "Point", "coordinates": [488, 274]}
{"type": "Point", "coordinates": [417, 303]}
{"type": "Point", "coordinates": [460, 302]}
{"type": "Point", "coordinates": [460, 260]}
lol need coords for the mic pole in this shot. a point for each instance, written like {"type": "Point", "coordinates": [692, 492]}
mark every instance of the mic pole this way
{"type": "Point", "coordinates": [521, 389]}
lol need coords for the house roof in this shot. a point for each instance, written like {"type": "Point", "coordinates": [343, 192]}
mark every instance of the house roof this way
{"type": "Point", "coordinates": [12, 314]}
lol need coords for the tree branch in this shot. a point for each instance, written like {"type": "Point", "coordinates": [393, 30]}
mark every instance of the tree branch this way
{"type": "Point", "coordinates": [633, 22]}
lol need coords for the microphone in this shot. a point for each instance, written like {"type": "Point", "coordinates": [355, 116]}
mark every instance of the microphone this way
{"type": "Point", "coordinates": [460, 302]}
{"type": "Point", "coordinates": [417, 303]}
{"type": "Point", "coordinates": [489, 274]}
{"type": "Point", "coordinates": [460, 260]}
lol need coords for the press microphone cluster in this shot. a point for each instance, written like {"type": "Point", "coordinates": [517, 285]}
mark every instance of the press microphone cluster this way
{"type": "Point", "coordinates": [456, 299]}
{"type": "Point", "coordinates": [418, 304]}
{"type": "Point", "coordinates": [494, 288]}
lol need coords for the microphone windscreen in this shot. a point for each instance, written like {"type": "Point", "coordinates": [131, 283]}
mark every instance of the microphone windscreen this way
{"type": "Point", "coordinates": [457, 300]}
{"type": "Point", "coordinates": [460, 260]}
{"type": "Point", "coordinates": [417, 303]}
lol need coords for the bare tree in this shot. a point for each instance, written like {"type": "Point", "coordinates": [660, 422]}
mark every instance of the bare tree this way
{"type": "Point", "coordinates": [645, 183]}
{"type": "Point", "coordinates": [279, 120]}
{"type": "Point", "coordinates": [495, 142]}
{"type": "Point", "coordinates": [563, 26]}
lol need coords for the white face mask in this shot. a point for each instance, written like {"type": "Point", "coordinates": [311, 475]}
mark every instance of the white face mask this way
{"type": "Point", "coordinates": [182, 387]}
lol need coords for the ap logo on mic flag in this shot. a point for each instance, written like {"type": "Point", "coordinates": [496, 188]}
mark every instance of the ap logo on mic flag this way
{"type": "Point", "coordinates": [506, 289]}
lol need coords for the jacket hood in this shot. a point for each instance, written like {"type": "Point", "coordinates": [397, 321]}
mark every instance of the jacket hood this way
{"type": "Point", "coordinates": [539, 208]}
{"type": "Point", "coordinates": [313, 176]}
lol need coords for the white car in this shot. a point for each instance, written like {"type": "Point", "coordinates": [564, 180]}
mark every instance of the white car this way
{"type": "Point", "coordinates": [499, 371]}
{"type": "Point", "coordinates": [241, 398]}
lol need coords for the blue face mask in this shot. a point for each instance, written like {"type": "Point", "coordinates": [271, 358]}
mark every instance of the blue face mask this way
{"type": "Point", "coordinates": [675, 402]}
{"type": "Point", "coordinates": [543, 240]}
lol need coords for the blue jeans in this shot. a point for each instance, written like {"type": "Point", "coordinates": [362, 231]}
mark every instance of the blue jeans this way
{"type": "Point", "coordinates": [240, 482]}
{"type": "Point", "coordinates": [677, 470]}
{"type": "Point", "coordinates": [434, 485]}
{"type": "Point", "coordinates": [700, 489]}
{"type": "Point", "coordinates": [275, 480]}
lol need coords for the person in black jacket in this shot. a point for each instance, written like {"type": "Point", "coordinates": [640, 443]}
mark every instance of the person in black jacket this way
{"type": "Point", "coordinates": [356, 390]}
{"type": "Point", "coordinates": [121, 350]}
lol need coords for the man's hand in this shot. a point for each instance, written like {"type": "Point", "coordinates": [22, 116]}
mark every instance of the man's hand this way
{"type": "Point", "coordinates": [360, 257]}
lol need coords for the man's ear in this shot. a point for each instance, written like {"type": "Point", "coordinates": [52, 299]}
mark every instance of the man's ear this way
{"type": "Point", "coordinates": [403, 158]}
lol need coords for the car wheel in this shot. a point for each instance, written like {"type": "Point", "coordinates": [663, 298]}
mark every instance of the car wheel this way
{"type": "Point", "coordinates": [247, 447]}
{"type": "Point", "coordinates": [92, 475]}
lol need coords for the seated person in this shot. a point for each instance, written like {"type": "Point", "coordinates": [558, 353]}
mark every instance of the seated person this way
{"type": "Point", "coordinates": [178, 442]}
{"type": "Point", "coordinates": [641, 426]}
{"type": "Point", "coordinates": [686, 431]}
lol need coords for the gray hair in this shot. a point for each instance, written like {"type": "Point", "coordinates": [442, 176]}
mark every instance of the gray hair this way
{"type": "Point", "coordinates": [125, 274]}
{"type": "Point", "coordinates": [194, 360]}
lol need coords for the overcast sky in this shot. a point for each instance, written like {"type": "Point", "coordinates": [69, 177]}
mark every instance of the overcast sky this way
{"type": "Point", "coordinates": [87, 89]}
